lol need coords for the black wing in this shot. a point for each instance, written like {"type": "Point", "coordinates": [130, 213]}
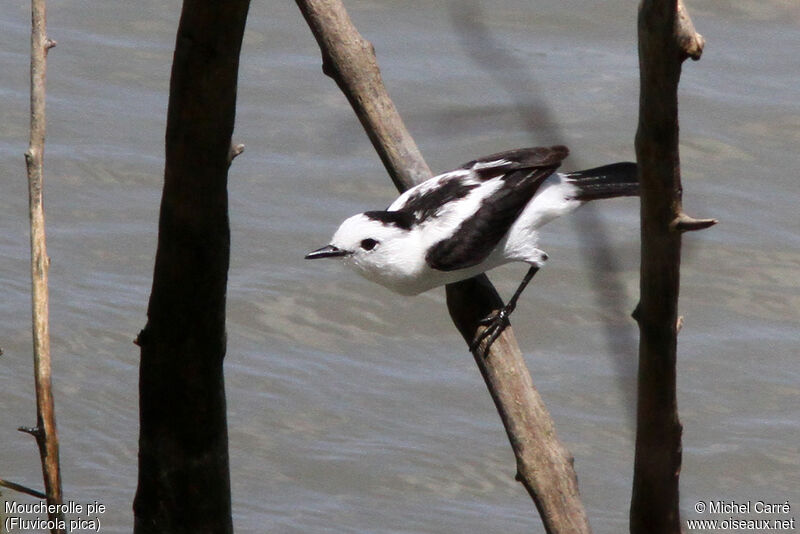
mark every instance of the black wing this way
{"type": "Point", "coordinates": [477, 236]}
{"type": "Point", "coordinates": [433, 197]}
{"type": "Point", "coordinates": [430, 200]}
{"type": "Point", "coordinates": [494, 165]}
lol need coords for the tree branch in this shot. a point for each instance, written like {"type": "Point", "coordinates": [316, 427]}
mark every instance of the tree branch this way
{"type": "Point", "coordinates": [46, 434]}
{"type": "Point", "coordinates": [543, 464]}
{"type": "Point", "coordinates": [234, 151]}
{"type": "Point", "coordinates": [350, 61]}
{"type": "Point", "coordinates": [690, 42]}
{"type": "Point", "coordinates": [684, 223]}
{"type": "Point", "coordinates": [666, 38]}
{"type": "Point", "coordinates": [22, 489]}
{"type": "Point", "coordinates": [184, 477]}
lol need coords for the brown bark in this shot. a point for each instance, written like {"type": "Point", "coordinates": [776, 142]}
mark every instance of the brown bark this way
{"type": "Point", "coordinates": [45, 430]}
{"type": "Point", "coordinates": [350, 60]}
{"type": "Point", "coordinates": [544, 466]}
{"type": "Point", "coordinates": [184, 480]}
{"type": "Point", "coordinates": [666, 39]}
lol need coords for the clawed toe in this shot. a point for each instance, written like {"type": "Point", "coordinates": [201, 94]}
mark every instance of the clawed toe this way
{"type": "Point", "coordinates": [495, 323]}
{"type": "Point", "coordinates": [486, 320]}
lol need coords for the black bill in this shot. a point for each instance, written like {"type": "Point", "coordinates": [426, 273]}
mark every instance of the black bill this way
{"type": "Point", "coordinates": [328, 251]}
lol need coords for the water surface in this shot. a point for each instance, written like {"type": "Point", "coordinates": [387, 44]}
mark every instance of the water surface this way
{"type": "Point", "coordinates": [355, 410]}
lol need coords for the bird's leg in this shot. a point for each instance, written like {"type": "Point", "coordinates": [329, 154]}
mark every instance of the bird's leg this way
{"type": "Point", "coordinates": [496, 321]}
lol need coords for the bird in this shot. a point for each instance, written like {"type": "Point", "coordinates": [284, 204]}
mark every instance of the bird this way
{"type": "Point", "coordinates": [486, 213]}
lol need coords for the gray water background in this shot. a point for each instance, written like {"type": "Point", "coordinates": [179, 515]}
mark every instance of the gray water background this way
{"type": "Point", "coordinates": [355, 410]}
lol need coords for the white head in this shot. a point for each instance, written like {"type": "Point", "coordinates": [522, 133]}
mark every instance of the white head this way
{"type": "Point", "coordinates": [379, 245]}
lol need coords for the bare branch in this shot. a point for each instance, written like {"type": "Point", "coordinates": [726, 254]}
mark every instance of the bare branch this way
{"type": "Point", "coordinates": [684, 223]}
{"type": "Point", "coordinates": [234, 151]}
{"type": "Point", "coordinates": [45, 430]}
{"type": "Point", "coordinates": [184, 475]}
{"type": "Point", "coordinates": [22, 489]}
{"type": "Point", "coordinates": [690, 42]}
{"type": "Point", "coordinates": [34, 431]}
{"type": "Point", "coordinates": [666, 38]}
{"type": "Point", "coordinates": [350, 60]}
{"type": "Point", "coordinates": [543, 464]}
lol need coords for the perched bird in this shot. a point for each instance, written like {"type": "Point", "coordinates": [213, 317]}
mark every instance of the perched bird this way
{"type": "Point", "coordinates": [464, 222]}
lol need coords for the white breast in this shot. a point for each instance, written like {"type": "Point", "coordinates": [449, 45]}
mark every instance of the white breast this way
{"type": "Point", "coordinates": [553, 199]}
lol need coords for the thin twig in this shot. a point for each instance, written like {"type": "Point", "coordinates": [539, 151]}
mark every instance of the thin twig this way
{"type": "Point", "coordinates": [46, 434]}
{"type": "Point", "coordinates": [22, 489]}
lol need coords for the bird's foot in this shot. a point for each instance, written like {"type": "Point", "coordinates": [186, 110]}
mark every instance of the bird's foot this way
{"type": "Point", "coordinates": [495, 323]}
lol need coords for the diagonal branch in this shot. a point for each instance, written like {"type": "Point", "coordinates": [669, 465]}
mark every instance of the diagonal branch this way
{"type": "Point", "coordinates": [544, 466]}
{"type": "Point", "coordinates": [350, 60]}
{"type": "Point", "coordinates": [22, 489]}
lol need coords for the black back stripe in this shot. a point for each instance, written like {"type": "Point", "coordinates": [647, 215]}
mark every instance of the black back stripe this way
{"type": "Point", "coordinates": [477, 236]}
{"type": "Point", "coordinates": [401, 219]}
{"type": "Point", "coordinates": [520, 158]}
{"type": "Point", "coordinates": [426, 204]}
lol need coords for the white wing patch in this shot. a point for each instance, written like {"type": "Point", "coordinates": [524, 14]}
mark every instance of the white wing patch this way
{"type": "Point", "coordinates": [490, 164]}
{"type": "Point", "coordinates": [456, 212]}
{"type": "Point", "coordinates": [432, 184]}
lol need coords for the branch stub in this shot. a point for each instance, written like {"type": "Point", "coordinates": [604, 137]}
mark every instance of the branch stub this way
{"type": "Point", "coordinates": [685, 223]}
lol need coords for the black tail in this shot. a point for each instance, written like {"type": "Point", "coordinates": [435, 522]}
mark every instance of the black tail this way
{"type": "Point", "coordinates": [608, 181]}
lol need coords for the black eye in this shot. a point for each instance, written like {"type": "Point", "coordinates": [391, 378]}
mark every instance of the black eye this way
{"type": "Point", "coordinates": [368, 244]}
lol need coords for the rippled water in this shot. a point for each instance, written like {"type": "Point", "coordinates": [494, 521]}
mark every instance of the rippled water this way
{"type": "Point", "coordinates": [353, 409]}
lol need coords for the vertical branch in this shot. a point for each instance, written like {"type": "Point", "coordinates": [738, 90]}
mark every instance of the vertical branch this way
{"type": "Point", "coordinates": [184, 478]}
{"type": "Point", "coordinates": [666, 39]}
{"type": "Point", "coordinates": [45, 429]}
{"type": "Point", "coordinates": [544, 466]}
